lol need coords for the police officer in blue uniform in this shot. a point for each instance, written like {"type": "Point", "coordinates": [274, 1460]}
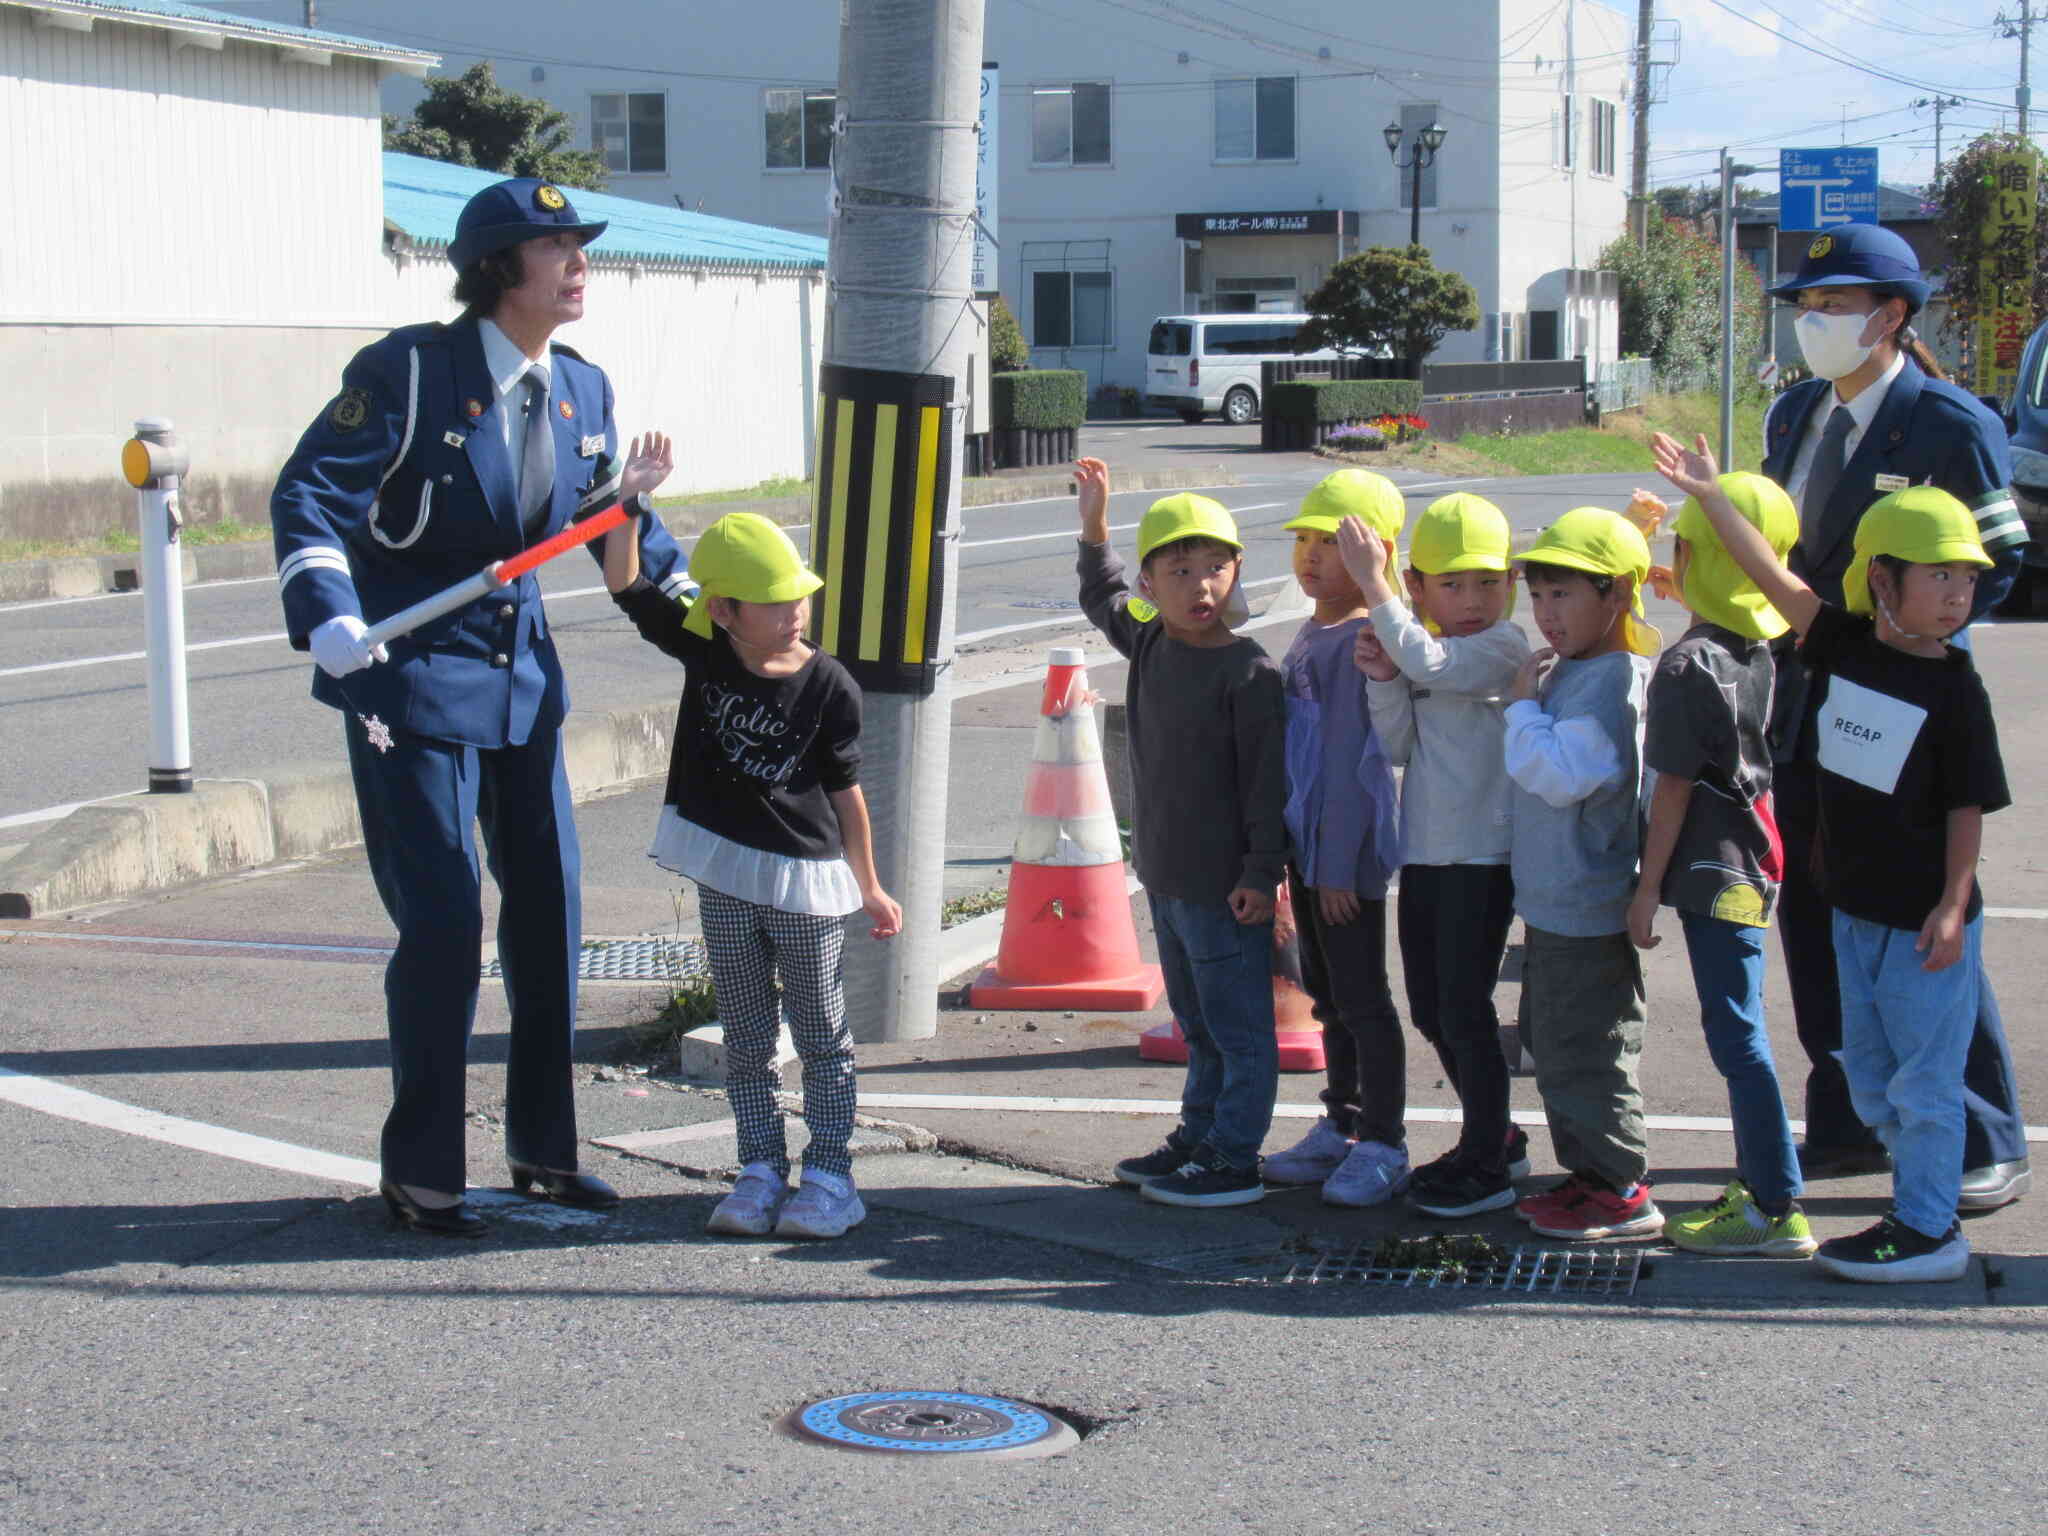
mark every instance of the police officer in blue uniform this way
{"type": "Point", "coordinates": [1873, 420]}
{"type": "Point", "coordinates": [451, 446]}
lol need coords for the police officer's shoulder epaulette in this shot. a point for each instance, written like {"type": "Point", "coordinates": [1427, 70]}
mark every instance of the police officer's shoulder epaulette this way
{"type": "Point", "coordinates": [1949, 401]}
{"type": "Point", "coordinates": [562, 349]}
{"type": "Point", "coordinates": [413, 335]}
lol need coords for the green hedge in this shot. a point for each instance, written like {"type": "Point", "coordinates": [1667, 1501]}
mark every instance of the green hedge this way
{"type": "Point", "coordinates": [1040, 399]}
{"type": "Point", "coordinates": [1343, 399]}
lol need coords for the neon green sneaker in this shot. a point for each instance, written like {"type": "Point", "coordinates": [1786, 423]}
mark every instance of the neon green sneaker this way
{"type": "Point", "coordinates": [1734, 1225]}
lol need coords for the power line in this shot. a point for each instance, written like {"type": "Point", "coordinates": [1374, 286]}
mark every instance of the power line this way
{"type": "Point", "coordinates": [1835, 58]}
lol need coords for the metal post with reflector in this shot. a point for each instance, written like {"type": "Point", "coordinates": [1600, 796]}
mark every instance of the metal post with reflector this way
{"type": "Point", "coordinates": [153, 461]}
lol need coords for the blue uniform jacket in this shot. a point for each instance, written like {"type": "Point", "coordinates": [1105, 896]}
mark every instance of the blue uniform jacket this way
{"type": "Point", "coordinates": [403, 486]}
{"type": "Point", "coordinates": [1927, 432]}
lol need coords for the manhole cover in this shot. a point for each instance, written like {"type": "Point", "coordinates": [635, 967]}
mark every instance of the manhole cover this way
{"type": "Point", "coordinates": [633, 960]}
{"type": "Point", "coordinates": [957, 1423]}
{"type": "Point", "coordinates": [1575, 1272]}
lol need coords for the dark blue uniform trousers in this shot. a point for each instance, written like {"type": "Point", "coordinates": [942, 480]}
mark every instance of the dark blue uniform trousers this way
{"type": "Point", "coordinates": [421, 801]}
{"type": "Point", "coordinates": [1993, 1131]}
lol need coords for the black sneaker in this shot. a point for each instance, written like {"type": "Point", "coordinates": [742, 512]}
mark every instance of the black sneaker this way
{"type": "Point", "coordinates": [1205, 1179]}
{"type": "Point", "coordinates": [1518, 1152]}
{"type": "Point", "coordinates": [1172, 1154]}
{"type": "Point", "coordinates": [1817, 1162]}
{"type": "Point", "coordinates": [1461, 1190]}
{"type": "Point", "coordinates": [1892, 1253]}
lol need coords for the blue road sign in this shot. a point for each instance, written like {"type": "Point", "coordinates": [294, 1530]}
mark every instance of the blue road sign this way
{"type": "Point", "coordinates": [1820, 188]}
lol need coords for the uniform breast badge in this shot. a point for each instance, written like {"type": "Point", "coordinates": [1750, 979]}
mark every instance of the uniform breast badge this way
{"type": "Point", "coordinates": [377, 732]}
{"type": "Point", "coordinates": [591, 447]}
{"type": "Point", "coordinates": [567, 409]}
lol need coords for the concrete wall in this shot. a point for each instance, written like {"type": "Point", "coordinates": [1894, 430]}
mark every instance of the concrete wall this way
{"type": "Point", "coordinates": [723, 361]}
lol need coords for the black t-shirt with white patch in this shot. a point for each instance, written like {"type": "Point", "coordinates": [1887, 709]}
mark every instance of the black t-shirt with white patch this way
{"type": "Point", "coordinates": [1903, 740]}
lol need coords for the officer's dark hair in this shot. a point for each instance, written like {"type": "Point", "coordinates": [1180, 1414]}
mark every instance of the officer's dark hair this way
{"type": "Point", "coordinates": [480, 285]}
{"type": "Point", "coordinates": [1535, 570]}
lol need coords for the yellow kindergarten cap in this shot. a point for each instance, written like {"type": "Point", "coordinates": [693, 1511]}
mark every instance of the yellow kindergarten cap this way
{"type": "Point", "coordinates": [745, 557]}
{"type": "Point", "coordinates": [1373, 499]}
{"type": "Point", "coordinates": [1715, 587]}
{"type": "Point", "coordinates": [1185, 516]}
{"type": "Point", "coordinates": [1602, 543]}
{"type": "Point", "coordinates": [1922, 524]}
{"type": "Point", "coordinates": [1459, 532]}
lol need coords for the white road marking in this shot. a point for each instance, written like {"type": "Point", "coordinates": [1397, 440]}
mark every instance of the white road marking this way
{"type": "Point", "coordinates": [68, 1103]}
{"type": "Point", "coordinates": [188, 943]}
{"type": "Point", "coordinates": [1282, 1111]}
{"type": "Point", "coordinates": [640, 1141]}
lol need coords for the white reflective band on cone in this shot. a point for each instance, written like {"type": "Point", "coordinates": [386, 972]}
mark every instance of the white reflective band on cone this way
{"type": "Point", "coordinates": [1075, 840]}
{"type": "Point", "coordinates": [1069, 738]}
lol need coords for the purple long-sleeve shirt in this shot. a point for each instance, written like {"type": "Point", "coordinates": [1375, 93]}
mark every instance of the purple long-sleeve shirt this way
{"type": "Point", "coordinates": [1342, 815]}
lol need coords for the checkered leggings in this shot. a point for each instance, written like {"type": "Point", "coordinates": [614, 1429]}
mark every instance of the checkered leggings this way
{"type": "Point", "coordinates": [750, 946]}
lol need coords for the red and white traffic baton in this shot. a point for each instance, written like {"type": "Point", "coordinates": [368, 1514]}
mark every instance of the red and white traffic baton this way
{"type": "Point", "coordinates": [598, 514]}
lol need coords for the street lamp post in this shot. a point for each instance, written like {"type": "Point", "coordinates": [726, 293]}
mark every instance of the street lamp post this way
{"type": "Point", "coordinates": [1427, 142]}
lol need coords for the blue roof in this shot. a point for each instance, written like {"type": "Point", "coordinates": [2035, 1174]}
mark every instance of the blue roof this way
{"type": "Point", "coordinates": [423, 198]}
{"type": "Point", "coordinates": [255, 29]}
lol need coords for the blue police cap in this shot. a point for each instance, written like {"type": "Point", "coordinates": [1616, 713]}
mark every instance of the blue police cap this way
{"type": "Point", "coordinates": [507, 212]}
{"type": "Point", "coordinates": [1862, 256]}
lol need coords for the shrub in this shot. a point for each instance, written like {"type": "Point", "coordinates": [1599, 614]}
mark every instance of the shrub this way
{"type": "Point", "coordinates": [1039, 399]}
{"type": "Point", "coordinates": [1007, 349]}
{"type": "Point", "coordinates": [1342, 399]}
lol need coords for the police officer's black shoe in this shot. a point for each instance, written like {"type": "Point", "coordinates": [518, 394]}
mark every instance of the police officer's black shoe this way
{"type": "Point", "coordinates": [1816, 1162]}
{"type": "Point", "coordinates": [564, 1188]}
{"type": "Point", "coordinates": [456, 1220]}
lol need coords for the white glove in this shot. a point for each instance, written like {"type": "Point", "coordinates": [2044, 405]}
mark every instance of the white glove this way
{"type": "Point", "coordinates": [339, 648]}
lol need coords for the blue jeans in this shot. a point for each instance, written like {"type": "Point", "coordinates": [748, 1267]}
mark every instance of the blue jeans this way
{"type": "Point", "coordinates": [1219, 982]}
{"type": "Point", "coordinates": [1728, 973]}
{"type": "Point", "coordinates": [1905, 1037]}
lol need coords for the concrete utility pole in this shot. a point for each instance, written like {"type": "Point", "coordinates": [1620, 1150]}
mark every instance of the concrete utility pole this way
{"type": "Point", "coordinates": [1940, 104]}
{"type": "Point", "coordinates": [899, 330]}
{"type": "Point", "coordinates": [1639, 176]}
{"type": "Point", "coordinates": [2021, 28]}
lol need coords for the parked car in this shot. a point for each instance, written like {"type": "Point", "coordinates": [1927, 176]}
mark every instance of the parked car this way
{"type": "Point", "coordinates": [1202, 364]}
{"type": "Point", "coordinates": [2026, 419]}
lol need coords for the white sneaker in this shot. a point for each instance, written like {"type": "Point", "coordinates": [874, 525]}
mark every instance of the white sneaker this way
{"type": "Point", "coordinates": [1310, 1160]}
{"type": "Point", "coordinates": [1372, 1174]}
{"type": "Point", "coordinates": [750, 1210]}
{"type": "Point", "coordinates": [824, 1205]}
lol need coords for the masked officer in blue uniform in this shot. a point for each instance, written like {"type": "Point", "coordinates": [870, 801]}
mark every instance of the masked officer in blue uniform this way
{"type": "Point", "coordinates": [448, 447]}
{"type": "Point", "coordinates": [1872, 420]}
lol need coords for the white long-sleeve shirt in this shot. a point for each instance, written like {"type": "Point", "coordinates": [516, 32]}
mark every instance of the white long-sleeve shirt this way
{"type": "Point", "coordinates": [1441, 718]}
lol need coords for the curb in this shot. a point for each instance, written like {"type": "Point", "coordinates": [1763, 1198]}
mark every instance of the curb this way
{"type": "Point", "coordinates": [62, 576]}
{"type": "Point", "coordinates": [143, 843]}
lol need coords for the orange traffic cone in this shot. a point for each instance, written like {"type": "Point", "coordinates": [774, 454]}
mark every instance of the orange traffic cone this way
{"type": "Point", "coordinates": [1068, 939]}
{"type": "Point", "coordinates": [1295, 1030]}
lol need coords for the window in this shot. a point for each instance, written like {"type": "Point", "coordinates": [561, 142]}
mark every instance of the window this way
{"type": "Point", "coordinates": [1602, 147]}
{"type": "Point", "coordinates": [799, 125]}
{"type": "Point", "coordinates": [1070, 124]}
{"type": "Point", "coordinates": [1171, 338]}
{"type": "Point", "coordinates": [630, 129]}
{"type": "Point", "coordinates": [1416, 116]}
{"type": "Point", "coordinates": [1235, 340]}
{"type": "Point", "coordinates": [1070, 309]}
{"type": "Point", "coordinates": [1563, 134]}
{"type": "Point", "coordinates": [1543, 334]}
{"type": "Point", "coordinates": [1255, 118]}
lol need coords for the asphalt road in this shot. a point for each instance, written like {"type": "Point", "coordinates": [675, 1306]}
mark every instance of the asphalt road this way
{"type": "Point", "coordinates": [197, 1336]}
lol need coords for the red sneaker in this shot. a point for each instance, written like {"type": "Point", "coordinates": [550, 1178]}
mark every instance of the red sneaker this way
{"type": "Point", "coordinates": [1599, 1212]}
{"type": "Point", "coordinates": [1553, 1201]}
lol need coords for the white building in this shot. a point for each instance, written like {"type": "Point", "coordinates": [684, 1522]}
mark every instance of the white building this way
{"type": "Point", "coordinates": [1151, 158]}
{"type": "Point", "coordinates": [209, 229]}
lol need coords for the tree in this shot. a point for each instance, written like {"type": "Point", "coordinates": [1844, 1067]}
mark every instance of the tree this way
{"type": "Point", "coordinates": [473, 120]}
{"type": "Point", "coordinates": [1963, 194]}
{"type": "Point", "coordinates": [1671, 298]}
{"type": "Point", "coordinates": [1007, 349]}
{"type": "Point", "coordinates": [1388, 299]}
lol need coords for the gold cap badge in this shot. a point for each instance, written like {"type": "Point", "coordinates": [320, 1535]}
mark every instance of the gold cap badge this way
{"type": "Point", "coordinates": [1820, 247]}
{"type": "Point", "coordinates": [550, 198]}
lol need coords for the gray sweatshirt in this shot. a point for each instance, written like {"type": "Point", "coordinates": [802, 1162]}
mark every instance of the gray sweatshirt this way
{"type": "Point", "coordinates": [1441, 719]}
{"type": "Point", "coordinates": [1576, 763]}
{"type": "Point", "coordinates": [1208, 735]}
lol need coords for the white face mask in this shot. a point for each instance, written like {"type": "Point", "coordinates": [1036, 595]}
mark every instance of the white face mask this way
{"type": "Point", "coordinates": [1832, 344]}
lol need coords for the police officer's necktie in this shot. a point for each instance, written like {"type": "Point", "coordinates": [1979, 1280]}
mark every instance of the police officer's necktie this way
{"type": "Point", "coordinates": [1825, 473]}
{"type": "Point", "coordinates": [537, 458]}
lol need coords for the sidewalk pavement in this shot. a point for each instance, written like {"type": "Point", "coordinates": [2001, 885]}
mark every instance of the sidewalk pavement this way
{"type": "Point", "coordinates": [1006, 1122]}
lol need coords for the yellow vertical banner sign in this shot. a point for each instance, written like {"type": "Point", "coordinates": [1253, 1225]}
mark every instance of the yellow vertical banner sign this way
{"type": "Point", "coordinates": [883, 474]}
{"type": "Point", "coordinates": [2005, 274]}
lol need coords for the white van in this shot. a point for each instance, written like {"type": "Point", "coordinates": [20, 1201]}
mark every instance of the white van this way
{"type": "Point", "coordinates": [1199, 364]}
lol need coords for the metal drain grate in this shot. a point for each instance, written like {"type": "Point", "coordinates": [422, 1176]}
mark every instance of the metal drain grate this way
{"type": "Point", "coordinates": [634, 960]}
{"type": "Point", "coordinates": [1580, 1272]}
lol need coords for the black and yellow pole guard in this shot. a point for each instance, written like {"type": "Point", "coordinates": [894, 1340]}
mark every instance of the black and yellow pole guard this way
{"type": "Point", "coordinates": [885, 451]}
